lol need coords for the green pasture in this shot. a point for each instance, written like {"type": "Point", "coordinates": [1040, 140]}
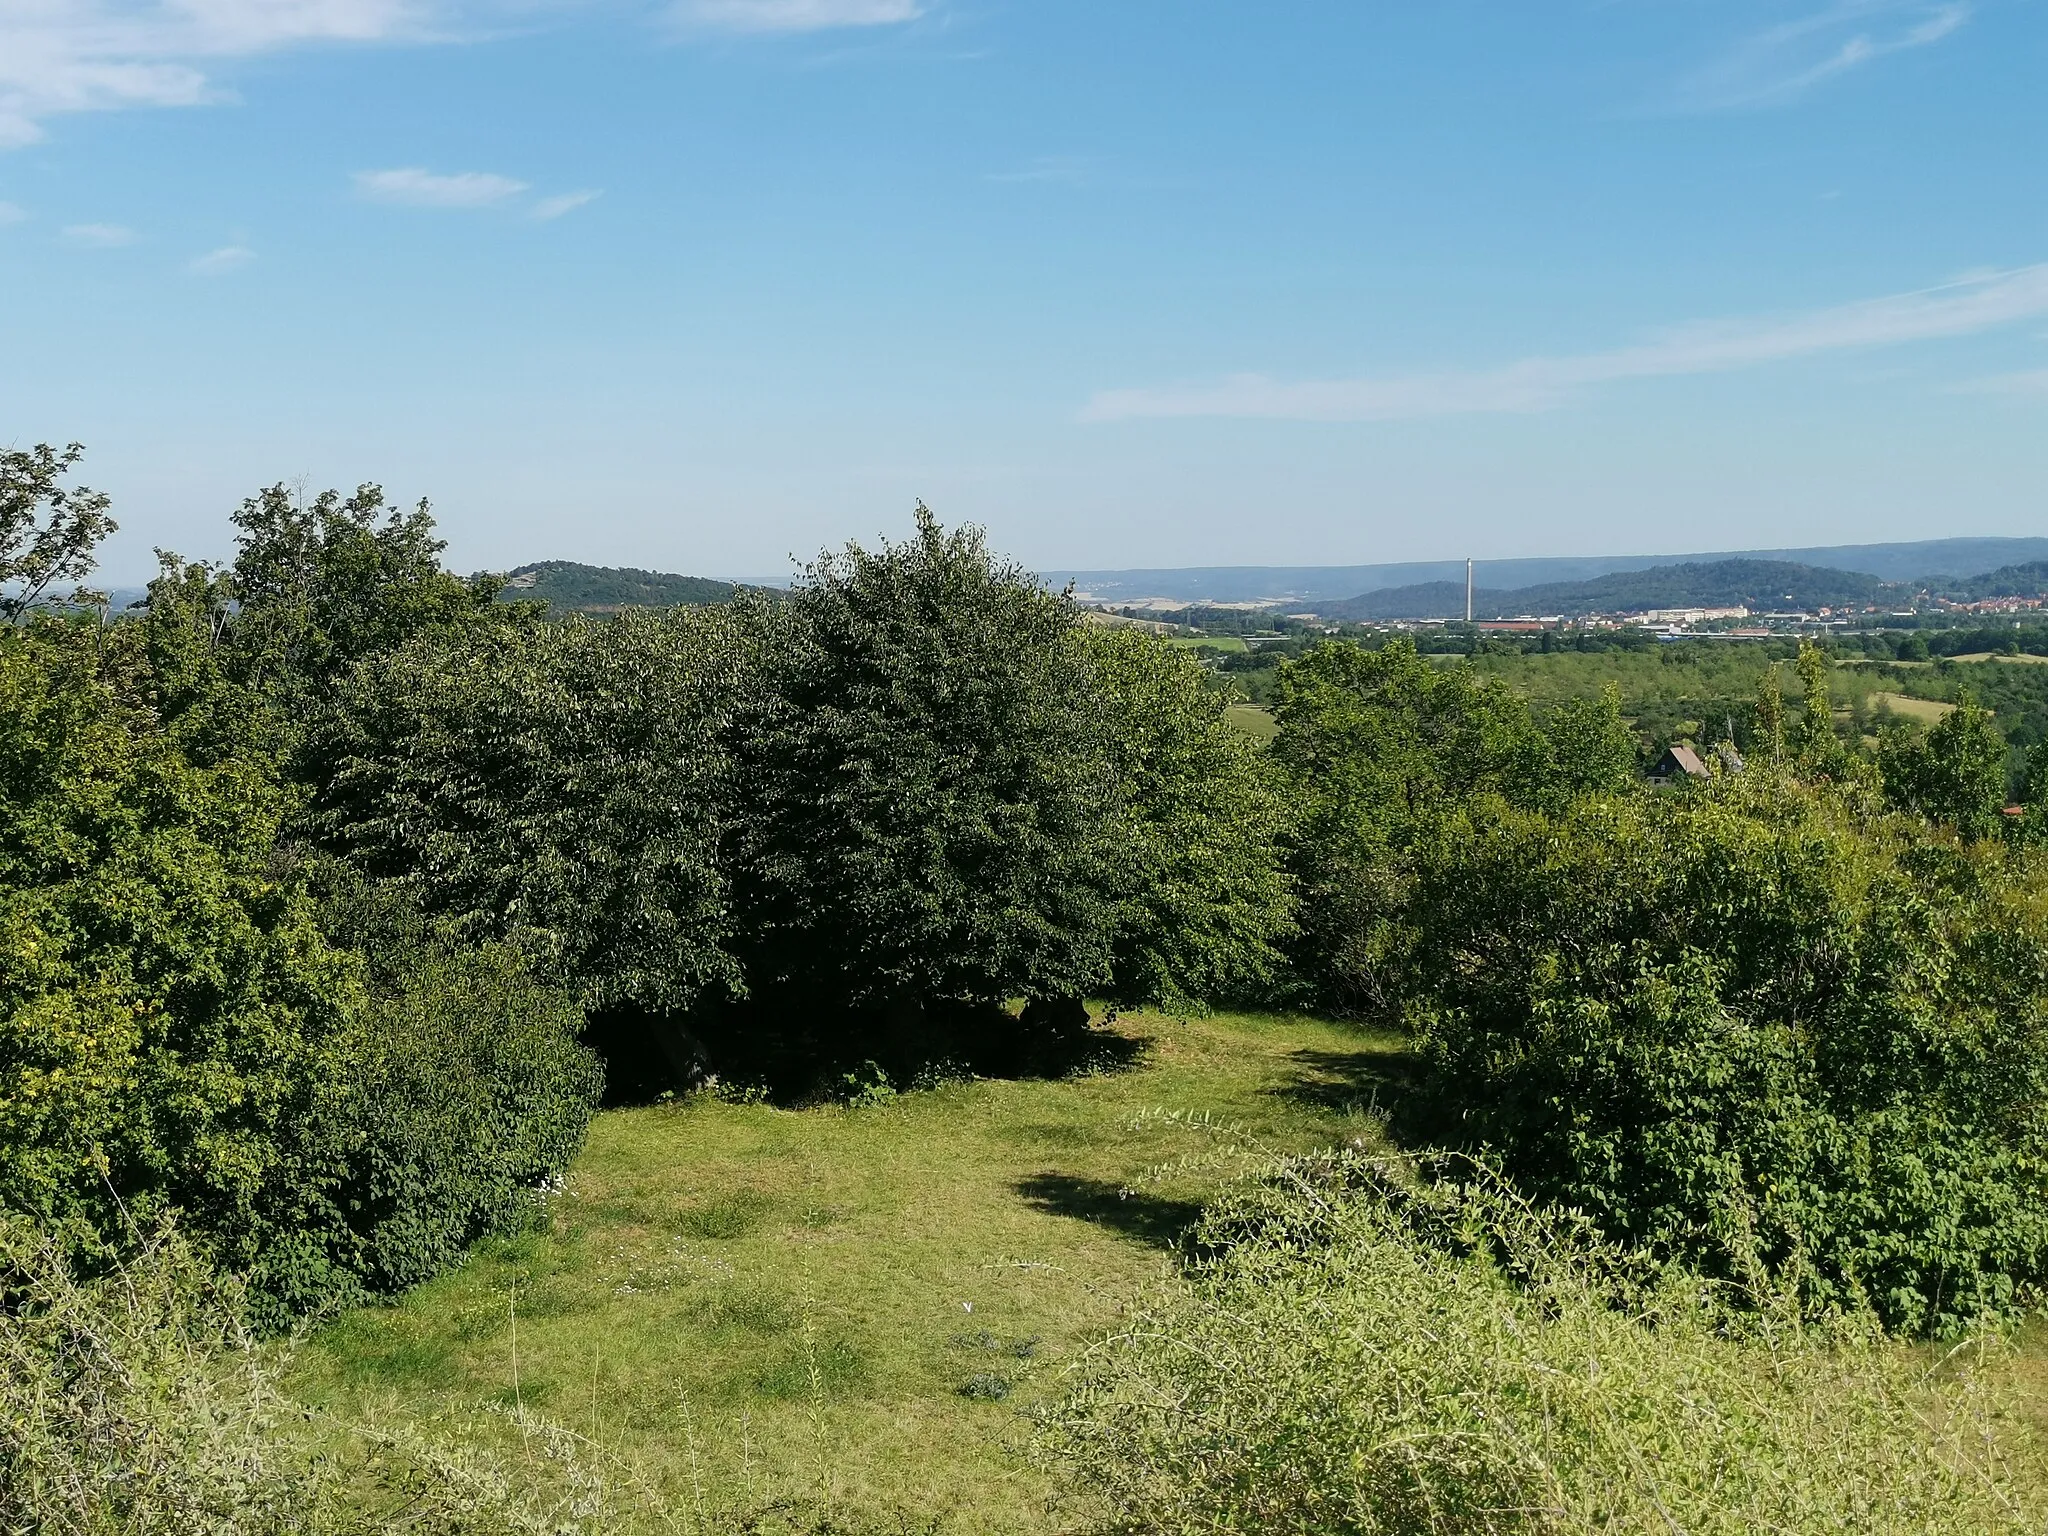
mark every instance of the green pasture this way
{"type": "Point", "coordinates": [846, 1308]}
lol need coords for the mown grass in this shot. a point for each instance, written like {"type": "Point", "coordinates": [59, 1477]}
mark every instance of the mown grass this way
{"type": "Point", "coordinates": [845, 1308]}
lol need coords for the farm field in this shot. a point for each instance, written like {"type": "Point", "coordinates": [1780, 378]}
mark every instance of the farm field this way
{"type": "Point", "coordinates": [844, 1308]}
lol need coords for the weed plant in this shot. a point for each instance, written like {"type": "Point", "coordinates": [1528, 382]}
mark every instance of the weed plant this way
{"type": "Point", "coordinates": [1367, 1353]}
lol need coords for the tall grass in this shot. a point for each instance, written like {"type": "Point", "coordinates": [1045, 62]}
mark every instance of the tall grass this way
{"type": "Point", "coordinates": [1366, 1353]}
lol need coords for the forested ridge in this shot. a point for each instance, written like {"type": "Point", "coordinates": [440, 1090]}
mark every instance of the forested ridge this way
{"type": "Point", "coordinates": [338, 893]}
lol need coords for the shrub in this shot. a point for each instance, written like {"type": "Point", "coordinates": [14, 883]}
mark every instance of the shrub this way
{"type": "Point", "coordinates": [1209, 904]}
{"type": "Point", "coordinates": [1364, 1356]}
{"type": "Point", "coordinates": [1756, 1030]}
{"type": "Point", "coordinates": [135, 1405]}
{"type": "Point", "coordinates": [464, 1096]}
{"type": "Point", "coordinates": [563, 782]}
{"type": "Point", "coordinates": [925, 805]}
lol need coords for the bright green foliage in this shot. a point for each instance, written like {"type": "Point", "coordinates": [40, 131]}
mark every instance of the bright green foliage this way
{"type": "Point", "coordinates": [177, 1032]}
{"type": "Point", "coordinates": [1210, 905]}
{"type": "Point", "coordinates": [165, 1000]}
{"type": "Point", "coordinates": [1819, 749]}
{"type": "Point", "coordinates": [566, 782]}
{"type": "Point", "coordinates": [1744, 1029]}
{"type": "Point", "coordinates": [1592, 749]}
{"type": "Point", "coordinates": [1368, 1357]}
{"type": "Point", "coordinates": [1953, 773]}
{"type": "Point", "coordinates": [926, 801]}
{"type": "Point", "coordinates": [1770, 717]}
{"type": "Point", "coordinates": [1377, 745]}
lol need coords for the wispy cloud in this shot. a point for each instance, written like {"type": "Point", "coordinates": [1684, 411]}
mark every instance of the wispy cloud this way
{"type": "Point", "coordinates": [1783, 63]}
{"type": "Point", "coordinates": [2033, 381]}
{"type": "Point", "coordinates": [1979, 302]}
{"type": "Point", "coordinates": [416, 187]}
{"type": "Point", "coordinates": [565, 202]}
{"type": "Point", "coordinates": [60, 56]}
{"type": "Point", "coordinates": [99, 236]}
{"type": "Point", "coordinates": [220, 262]}
{"type": "Point", "coordinates": [795, 15]}
{"type": "Point", "coordinates": [12, 213]}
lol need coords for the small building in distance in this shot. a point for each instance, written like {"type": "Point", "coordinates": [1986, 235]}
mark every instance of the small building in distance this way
{"type": "Point", "coordinates": [1679, 762]}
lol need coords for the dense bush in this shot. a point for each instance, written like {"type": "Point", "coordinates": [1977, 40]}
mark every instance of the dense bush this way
{"type": "Point", "coordinates": [566, 782]}
{"type": "Point", "coordinates": [1209, 904]}
{"type": "Point", "coordinates": [1755, 1029]}
{"type": "Point", "coordinates": [926, 807]}
{"type": "Point", "coordinates": [168, 1007]}
{"type": "Point", "coordinates": [1378, 746]}
{"type": "Point", "coordinates": [1363, 1355]}
{"type": "Point", "coordinates": [459, 1096]}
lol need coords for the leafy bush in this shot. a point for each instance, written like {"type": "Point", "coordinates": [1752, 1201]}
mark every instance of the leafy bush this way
{"type": "Point", "coordinates": [925, 806]}
{"type": "Point", "coordinates": [465, 1094]}
{"type": "Point", "coordinates": [1364, 1355]}
{"type": "Point", "coordinates": [565, 782]}
{"type": "Point", "coordinates": [167, 1004]}
{"type": "Point", "coordinates": [1209, 903]}
{"type": "Point", "coordinates": [1754, 1029]}
{"type": "Point", "coordinates": [178, 1034]}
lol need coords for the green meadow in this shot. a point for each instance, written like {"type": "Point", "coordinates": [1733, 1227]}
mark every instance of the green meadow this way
{"type": "Point", "coordinates": [850, 1309]}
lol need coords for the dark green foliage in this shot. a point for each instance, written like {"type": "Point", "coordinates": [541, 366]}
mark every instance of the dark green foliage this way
{"type": "Point", "coordinates": [926, 805]}
{"type": "Point", "coordinates": [562, 781]}
{"type": "Point", "coordinates": [567, 587]}
{"type": "Point", "coordinates": [322, 584]}
{"type": "Point", "coordinates": [1209, 908]}
{"type": "Point", "coordinates": [1748, 1029]}
{"type": "Point", "coordinates": [1592, 749]}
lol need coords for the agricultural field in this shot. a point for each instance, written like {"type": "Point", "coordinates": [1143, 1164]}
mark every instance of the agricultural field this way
{"type": "Point", "coordinates": [849, 1307]}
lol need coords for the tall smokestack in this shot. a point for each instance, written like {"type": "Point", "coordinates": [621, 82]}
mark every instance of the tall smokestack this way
{"type": "Point", "coordinates": [1468, 589]}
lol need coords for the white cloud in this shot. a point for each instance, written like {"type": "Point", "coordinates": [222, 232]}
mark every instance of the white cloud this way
{"type": "Point", "coordinates": [1784, 62]}
{"type": "Point", "coordinates": [61, 56]}
{"type": "Point", "coordinates": [796, 15]}
{"type": "Point", "coordinates": [1979, 302]}
{"type": "Point", "coordinates": [218, 263]}
{"type": "Point", "coordinates": [566, 202]}
{"type": "Point", "coordinates": [417, 187]}
{"type": "Point", "coordinates": [12, 213]}
{"type": "Point", "coordinates": [99, 236]}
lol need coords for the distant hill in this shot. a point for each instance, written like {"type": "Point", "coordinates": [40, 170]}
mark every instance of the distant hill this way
{"type": "Point", "coordinates": [1759, 585]}
{"type": "Point", "coordinates": [1313, 584]}
{"type": "Point", "coordinates": [2028, 580]}
{"type": "Point", "coordinates": [567, 587]}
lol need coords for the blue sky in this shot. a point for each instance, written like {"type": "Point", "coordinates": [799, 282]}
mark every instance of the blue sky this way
{"type": "Point", "coordinates": [701, 284]}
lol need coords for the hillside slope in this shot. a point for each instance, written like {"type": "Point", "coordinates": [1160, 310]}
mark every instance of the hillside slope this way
{"type": "Point", "coordinates": [1759, 585]}
{"type": "Point", "coordinates": [567, 586]}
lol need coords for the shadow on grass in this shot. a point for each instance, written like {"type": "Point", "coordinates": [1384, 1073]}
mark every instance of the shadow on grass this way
{"type": "Point", "coordinates": [1351, 1082]}
{"type": "Point", "coordinates": [1148, 1218]}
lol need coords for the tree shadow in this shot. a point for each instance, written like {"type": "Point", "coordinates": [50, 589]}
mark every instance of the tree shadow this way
{"type": "Point", "coordinates": [1148, 1218]}
{"type": "Point", "coordinates": [1352, 1082]}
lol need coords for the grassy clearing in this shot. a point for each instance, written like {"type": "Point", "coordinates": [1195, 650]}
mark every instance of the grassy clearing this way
{"type": "Point", "coordinates": [1925, 710]}
{"type": "Point", "coordinates": [847, 1307]}
{"type": "Point", "coordinates": [1207, 642]}
{"type": "Point", "coordinates": [1253, 718]}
